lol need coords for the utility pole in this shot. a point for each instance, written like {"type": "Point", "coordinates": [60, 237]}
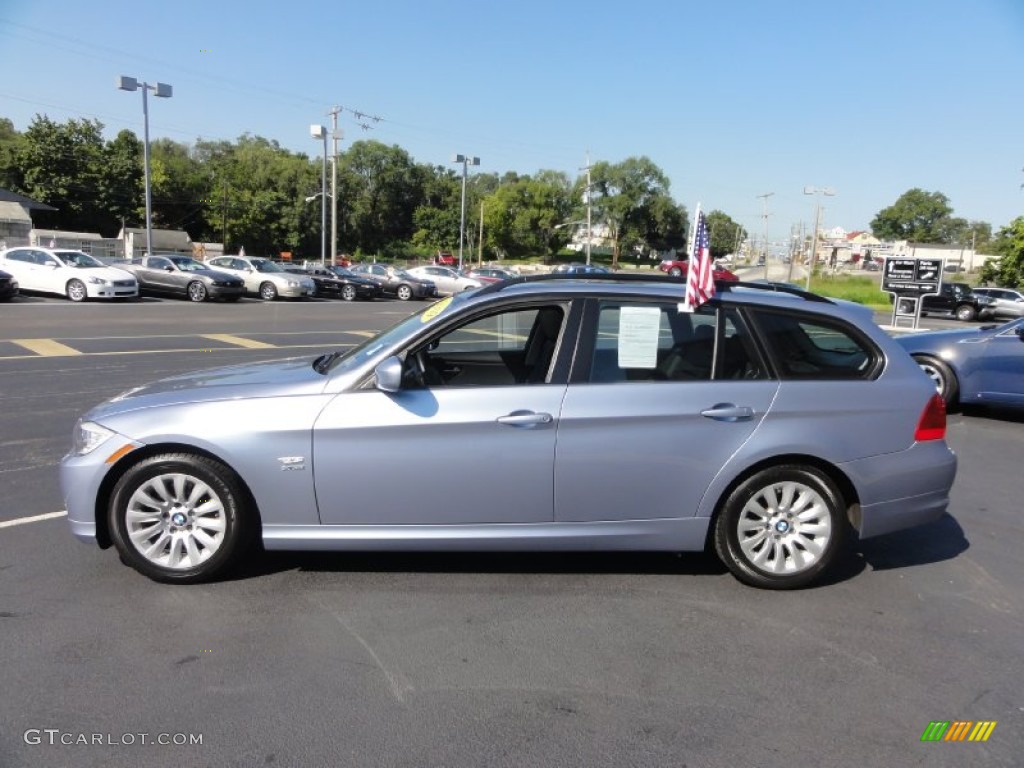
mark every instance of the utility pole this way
{"type": "Point", "coordinates": [480, 244]}
{"type": "Point", "coordinates": [587, 198]}
{"type": "Point", "coordinates": [224, 222]}
{"type": "Point", "coordinates": [335, 136]}
{"type": "Point", "coordinates": [764, 241]}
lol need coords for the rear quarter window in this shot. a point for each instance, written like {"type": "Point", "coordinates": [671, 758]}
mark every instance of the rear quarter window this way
{"type": "Point", "coordinates": [806, 347]}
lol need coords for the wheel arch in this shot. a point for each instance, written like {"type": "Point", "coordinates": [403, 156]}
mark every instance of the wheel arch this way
{"type": "Point", "coordinates": [132, 458]}
{"type": "Point", "coordinates": [847, 490]}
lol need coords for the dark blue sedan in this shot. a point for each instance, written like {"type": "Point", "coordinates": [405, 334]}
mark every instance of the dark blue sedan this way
{"type": "Point", "coordinates": [978, 366]}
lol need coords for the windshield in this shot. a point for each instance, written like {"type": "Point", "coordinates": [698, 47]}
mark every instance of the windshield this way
{"type": "Point", "coordinates": [185, 264]}
{"type": "Point", "coordinates": [263, 265]}
{"type": "Point", "coordinates": [79, 260]}
{"type": "Point", "coordinates": [342, 272]}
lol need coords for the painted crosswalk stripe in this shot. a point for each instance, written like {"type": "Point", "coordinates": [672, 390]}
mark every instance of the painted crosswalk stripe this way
{"type": "Point", "coordinates": [238, 341]}
{"type": "Point", "coordinates": [46, 347]}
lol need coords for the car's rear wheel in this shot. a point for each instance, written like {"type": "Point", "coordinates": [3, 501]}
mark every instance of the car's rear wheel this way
{"type": "Point", "coordinates": [75, 290]}
{"type": "Point", "coordinates": [196, 291]}
{"type": "Point", "coordinates": [942, 376]}
{"type": "Point", "coordinates": [404, 292]}
{"type": "Point", "coordinates": [781, 528]}
{"type": "Point", "coordinates": [179, 518]}
{"type": "Point", "coordinates": [268, 291]}
{"type": "Point", "coordinates": [966, 313]}
{"type": "Point", "coordinates": [675, 272]}
{"type": "Point", "coordinates": [348, 292]}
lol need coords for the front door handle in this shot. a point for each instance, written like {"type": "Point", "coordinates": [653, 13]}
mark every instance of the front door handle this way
{"type": "Point", "coordinates": [728, 412]}
{"type": "Point", "coordinates": [525, 419]}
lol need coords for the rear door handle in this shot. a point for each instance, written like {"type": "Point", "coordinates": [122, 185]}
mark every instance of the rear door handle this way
{"type": "Point", "coordinates": [525, 419]}
{"type": "Point", "coordinates": [728, 412]}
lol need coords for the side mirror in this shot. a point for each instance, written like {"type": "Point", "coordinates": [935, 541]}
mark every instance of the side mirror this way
{"type": "Point", "coordinates": [168, 268]}
{"type": "Point", "coordinates": [389, 375]}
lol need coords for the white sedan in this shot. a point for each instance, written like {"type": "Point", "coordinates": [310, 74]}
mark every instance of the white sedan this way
{"type": "Point", "coordinates": [447, 280]}
{"type": "Point", "coordinates": [74, 274]}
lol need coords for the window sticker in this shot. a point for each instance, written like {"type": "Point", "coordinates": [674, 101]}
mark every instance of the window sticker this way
{"type": "Point", "coordinates": [638, 337]}
{"type": "Point", "coordinates": [435, 310]}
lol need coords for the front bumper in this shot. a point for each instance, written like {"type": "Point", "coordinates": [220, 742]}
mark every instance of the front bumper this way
{"type": "Point", "coordinates": [115, 291]}
{"type": "Point", "coordinates": [221, 291]}
{"type": "Point", "coordinates": [297, 292]}
{"type": "Point", "coordinates": [80, 481]}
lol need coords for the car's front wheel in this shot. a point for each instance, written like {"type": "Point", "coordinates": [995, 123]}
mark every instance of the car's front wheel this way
{"type": "Point", "coordinates": [781, 528]}
{"type": "Point", "coordinates": [942, 376]}
{"type": "Point", "coordinates": [196, 291]}
{"type": "Point", "coordinates": [404, 292]}
{"type": "Point", "coordinates": [268, 291]}
{"type": "Point", "coordinates": [348, 292]}
{"type": "Point", "coordinates": [75, 290]}
{"type": "Point", "coordinates": [179, 518]}
{"type": "Point", "coordinates": [675, 272]}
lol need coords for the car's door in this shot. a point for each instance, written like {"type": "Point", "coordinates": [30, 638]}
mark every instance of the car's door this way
{"type": "Point", "coordinates": [999, 373]}
{"type": "Point", "coordinates": [470, 439]}
{"type": "Point", "coordinates": [646, 425]}
{"type": "Point", "coordinates": [158, 272]}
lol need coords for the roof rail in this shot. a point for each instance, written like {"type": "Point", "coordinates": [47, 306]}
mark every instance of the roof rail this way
{"type": "Point", "coordinates": [721, 286]}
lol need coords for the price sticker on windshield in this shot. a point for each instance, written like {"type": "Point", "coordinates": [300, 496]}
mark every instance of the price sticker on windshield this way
{"type": "Point", "coordinates": [435, 310]}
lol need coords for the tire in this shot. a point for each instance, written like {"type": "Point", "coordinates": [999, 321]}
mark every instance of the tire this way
{"type": "Point", "coordinates": [675, 272]}
{"type": "Point", "coordinates": [965, 313]}
{"type": "Point", "coordinates": [75, 290]}
{"type": "Point", "coordinates": [268, 291]}
{"type": "Point", "coordinates": [781, 528]}
{"type": "Point", "coordinates": [179, 518]}
{"type": "Point", "coordinates": [348, 292]}
{"type": "Point", "coordinates": [197, 291]}
{"type": "Point", "coordinates": [404, 292]}
{"type": "Point", "coordinates": [942, 376]}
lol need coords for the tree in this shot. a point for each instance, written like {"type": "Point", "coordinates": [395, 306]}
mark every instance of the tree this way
{"type": "Point", "coordinates": [382, 188]}
{"type": "Point", "coordinates": [524, 217]}
{"type": "Point", "coordinates": [920, 217]}
{"type": "Point", "coordinates": [624, 197]}
{"type": "Point", "coordinates": [61, 166]}
{"type": "Point", "coordinates": [1008, 270]}
{"type": "Point", "coordinates": [725, 234]}
{"type": "Point", "coordinates": [121, 184]}
{"type": "Point", "coordinates": [11, 175]}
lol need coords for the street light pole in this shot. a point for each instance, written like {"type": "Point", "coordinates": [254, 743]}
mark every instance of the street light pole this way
{"type": "Point", "coordinates": [319, 132]}
{"type": "Point", "coordinates": [163, 91]}
{"type": "Point", "coordinates": [465, 160]}
{"type": "Point", "coordinates": [335, 136]}
{"type": "Point", "coordinates": [590, 236]}
{"type": "Point", "coordinates": [816, 191]}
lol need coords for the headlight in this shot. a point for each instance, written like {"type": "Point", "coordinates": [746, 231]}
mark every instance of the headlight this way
{"type": "Point", "coordinates": [293, 284]}
{"type": "Point", "coordinates": [87, 437]}
{"type": "Point", "coordinates": [98, 281]}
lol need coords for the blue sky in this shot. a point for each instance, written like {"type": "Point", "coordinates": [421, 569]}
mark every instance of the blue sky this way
{"type": "Point", "coordinates": [732, 99]}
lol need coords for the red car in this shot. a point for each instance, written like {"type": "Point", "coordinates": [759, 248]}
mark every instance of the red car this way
{"type": "Point", "coordinates": [490, 274]}
{"type": "Point", "coordinates": [446, 258]}
{"type": "Point", "coordinates": [680, 268]}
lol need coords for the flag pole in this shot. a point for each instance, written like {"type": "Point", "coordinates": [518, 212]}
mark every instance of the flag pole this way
{"type": "Point", "coordinates": [690, 249]}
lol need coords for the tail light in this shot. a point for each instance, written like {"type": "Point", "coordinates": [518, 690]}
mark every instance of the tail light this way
{"type": "Point", "coordinates": [932, 424]}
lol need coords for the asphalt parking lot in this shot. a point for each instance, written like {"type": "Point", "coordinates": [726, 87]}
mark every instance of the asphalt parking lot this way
{"type": "Point", "coordinates": [466, 660]}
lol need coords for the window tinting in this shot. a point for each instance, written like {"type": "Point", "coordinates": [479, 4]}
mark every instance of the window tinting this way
{"type": "Point", "coordinates": [804, 348]}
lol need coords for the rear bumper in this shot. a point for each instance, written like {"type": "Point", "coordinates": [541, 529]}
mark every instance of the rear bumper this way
{"type": "Point", "coordinates": [915, 495]}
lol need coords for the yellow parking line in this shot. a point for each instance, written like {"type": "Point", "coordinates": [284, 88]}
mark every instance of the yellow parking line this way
{"type": "Point", "coordinates": [227, 338]}
{"type": "Point", "coordinates": [365, 334]}
{"type": "Point", "coordinates": [46, 347]}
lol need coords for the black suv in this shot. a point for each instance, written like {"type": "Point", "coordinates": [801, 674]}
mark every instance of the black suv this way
{"type": "Point", "coordinates": [959, 300]}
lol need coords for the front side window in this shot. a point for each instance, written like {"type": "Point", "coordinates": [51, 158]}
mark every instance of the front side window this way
{"type": "Point", "coordinates": [516, 346]}
{"type": "Point", "coordinates": [803, 347]}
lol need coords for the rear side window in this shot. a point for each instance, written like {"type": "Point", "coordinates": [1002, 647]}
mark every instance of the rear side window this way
{"type": "Point", "coordinates": [657, 342]}
{"type": "Point", "coordinates": [816, 348]}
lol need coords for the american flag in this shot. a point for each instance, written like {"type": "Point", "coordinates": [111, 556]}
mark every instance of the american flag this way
{"type": "Point", "coordinates": [700, 278]}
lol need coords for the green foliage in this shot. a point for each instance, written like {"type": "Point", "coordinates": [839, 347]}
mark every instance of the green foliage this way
{"type": "Point", "coordinates": [521, 216]}
{"type": "Point", "coordinates": [920, 217]}
{"type": "Point", "coordinates": [863, 290]}
{"type": "Point", "coordinates": [726, 235]}
{"type": "Point", "coordinates": [1008, 270]}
